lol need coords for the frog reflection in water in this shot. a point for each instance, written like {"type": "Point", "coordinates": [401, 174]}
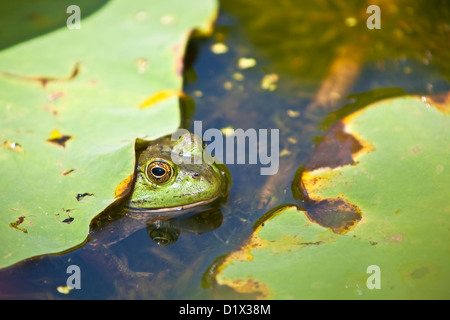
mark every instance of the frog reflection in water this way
{"type": "Point", "coordinates": [175, 191]}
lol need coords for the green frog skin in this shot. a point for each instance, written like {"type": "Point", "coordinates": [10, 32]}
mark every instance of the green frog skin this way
{"type": "Point", "coordinates": [164, 184]}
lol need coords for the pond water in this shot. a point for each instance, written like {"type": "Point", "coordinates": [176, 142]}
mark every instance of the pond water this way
{"type": "Point", "coordinates": [294, 46]}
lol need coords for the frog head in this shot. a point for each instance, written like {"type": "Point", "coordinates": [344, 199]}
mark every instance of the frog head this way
{"type": "Point", "coordinates": [171, 175]}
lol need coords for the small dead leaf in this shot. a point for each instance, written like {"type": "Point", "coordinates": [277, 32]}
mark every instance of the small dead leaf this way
{"type": "Point", "coordinates": [80, 196]}
{"type": "Point", "coordinates": [59, 139]}
{"type": "Point", "coordinates": [68, 220]}
{"type": "Point", "coordinates": [19, 221]}
{"type": "Point", "coordinates": [65, 173]}
{"type": "Point", "coordinates": [13, 146]}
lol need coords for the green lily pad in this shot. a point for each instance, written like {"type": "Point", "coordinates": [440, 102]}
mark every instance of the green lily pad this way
{"type": "Point", "coordinates": [71, 106]}
{"type": "Point", "coordinates": [398, 179]}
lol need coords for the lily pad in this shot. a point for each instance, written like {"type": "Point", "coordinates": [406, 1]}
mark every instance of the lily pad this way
{"type": "Point", "coordinates": [72, 103]}
{"type": "Point", "coordinates": [398, 178]}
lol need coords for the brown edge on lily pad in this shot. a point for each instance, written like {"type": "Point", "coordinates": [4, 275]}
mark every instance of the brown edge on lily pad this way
{"type": "Point", "coordinates": [439, 101]}
{"type": "Point", "coordinates": [340, 147]}
{"type": "Point", "coordinates": [248, 285]}
{"type": "Point", "coordinates": [124, 188]}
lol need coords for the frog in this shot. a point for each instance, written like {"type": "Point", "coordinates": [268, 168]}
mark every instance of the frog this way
{"type": "Point", "coordinates": [174, 190]}
{"type": "Point", "coordinates": [171, 180]}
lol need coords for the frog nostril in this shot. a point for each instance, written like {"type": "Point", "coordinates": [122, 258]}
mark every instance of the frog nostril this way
{"type": "Point", "coordinates": [195, 175]}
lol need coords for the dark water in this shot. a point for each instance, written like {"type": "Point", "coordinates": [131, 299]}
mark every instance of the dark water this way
{"type": "Point", "coordinates": [297, 41]}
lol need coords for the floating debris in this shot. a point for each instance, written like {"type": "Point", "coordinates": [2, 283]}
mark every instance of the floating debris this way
{"type": "Point", "coordinates": [219, 48]}
{"type": "Point", "coordinates": [292, 140]}
{"type": "Point", "coordinates": [245, 63]}
{"type": "Point", "coordinates": [269, 82]}
{"type": "Point", "coordinates": [63, 289]}
{"type": "Point", "coordinates": [284, 152]}
{"type": "Point", "coordinates": [228, 85]}
{"type": "Point", "coordinates": [238, 76]}
{"type": "Point", "coordinates": [293, 114]}
{"type": "Point", "coordinates": [227, 131]}
{"type": "Point", "coordinates": [198, 93]}
{"type": "Point", "coordinates": [351, 22]}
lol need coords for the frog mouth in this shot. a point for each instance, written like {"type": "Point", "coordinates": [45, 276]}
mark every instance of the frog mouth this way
{"type": "Point", "coordinates": [175, 210]}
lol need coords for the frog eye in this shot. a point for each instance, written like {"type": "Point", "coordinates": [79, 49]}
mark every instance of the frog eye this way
{"type": "Point", "coordinates": [159, 172]}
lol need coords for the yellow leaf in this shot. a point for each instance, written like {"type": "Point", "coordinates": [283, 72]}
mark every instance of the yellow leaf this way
{"type": "Point", "coordinates": [159, 97]}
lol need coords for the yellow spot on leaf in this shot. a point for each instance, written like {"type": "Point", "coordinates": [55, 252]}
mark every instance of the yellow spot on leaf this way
{"type": "Point", "coordinates": [440, 102]}
{"type": "Point", "coordinates": [248, 286]}
{"type": "Point", "coordinates": [159, 97]}
{"type": "Point", "coordinates": [124, 187]}
{"type": "Point", "coordinates": [317, 180]}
